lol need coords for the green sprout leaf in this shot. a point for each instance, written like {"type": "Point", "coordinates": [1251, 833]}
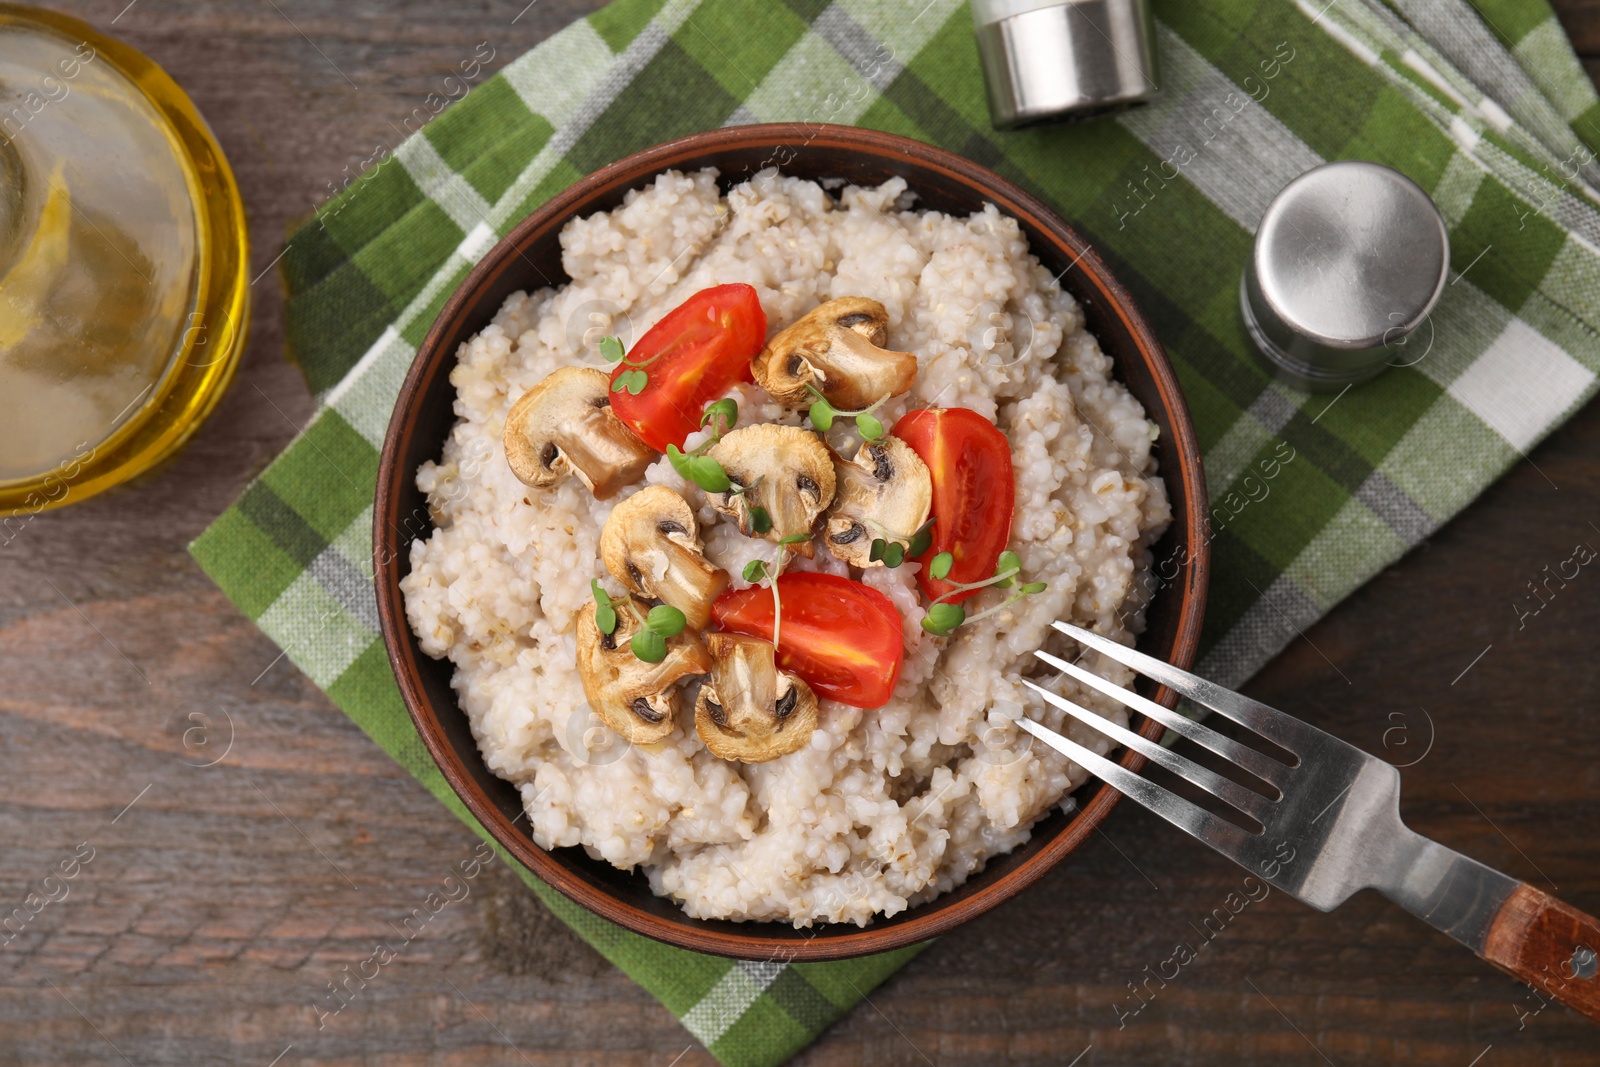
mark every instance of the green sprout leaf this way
{"type": "Point", "coordinates": [1009, 561]}
{"type": "Point", "coordinates": [680, 461]}
{"type": "Point", "coordinates": [755, 571]}
{"type": "Point", "coordinates": [620, 384]}
{"type": "Point", "coordinates": [666, 620]}
{"type": "Point", "coordinates": [869, 427]}
{"type": "Point", "coordinates": [921, 541]}
{"type": "Point", "coordinates": [649, 646]}
{"type": "Point", "coordinates": [727, 409]}
{"type": "Point", "coordinates": [611, 349]}
{"type": "Point", "coordinates": [822, 414]}
{"type": "Point", "coordinates": [1034, 587]}
{"type": "Point", "coordinates": [678, 457]}
{"type": "Point", "coordinates": [795, 539]}
{"type": "Point", "coordinates": [943, 618]}
{"type": "Point", "coordinates": [894, 554]}
{"type": "Point", "coordinates": [875, 551]}
{"type": "Point", "coordinates": [760, 520]}
{"type": "Point", "coordinates": [605, 616]}
{"type": "Point", "coordinates": [703, 471]}
{"type": "Point", "coordinates": [941, 564]}
{"type": "Point", "coordinates": [709, 475]}
{"type": "Point", "coordinates": [635, 381]}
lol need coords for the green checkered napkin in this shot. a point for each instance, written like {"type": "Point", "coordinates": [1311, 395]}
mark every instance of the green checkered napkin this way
{"type": "Point", "coordinates": [1483, 104]}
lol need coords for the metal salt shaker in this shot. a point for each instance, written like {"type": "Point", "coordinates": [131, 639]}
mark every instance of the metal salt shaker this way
{"type": "Point", "coordinates": [1350, 258]}
{"type": "Point", "coordinates": [1064, 59]}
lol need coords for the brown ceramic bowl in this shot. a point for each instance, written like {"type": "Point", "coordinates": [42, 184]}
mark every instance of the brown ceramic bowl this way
{"type": "Point", "coordinates": [530, 258]}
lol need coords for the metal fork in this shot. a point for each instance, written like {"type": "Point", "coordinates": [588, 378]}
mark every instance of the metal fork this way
{"type": "Point", "coordinates": [1332, 828]}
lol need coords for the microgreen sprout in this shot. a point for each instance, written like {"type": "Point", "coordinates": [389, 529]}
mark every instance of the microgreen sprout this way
{"type": "Point", "coordinates": [703, 471]}
{"type": "Point", "coordinates": [696, 466]}
{"type": "Point", "coordinates": [823, 413]}
{"type": "Point", "coordinates": [921, 540]}
{"type": "Point", "coordinates": [777, 605]}
{"type": "Point", "coordinates": [761, 570]}
{"type": "Point", "coordinates": [666, 620]}
{"type": "Point", "coordinates": [893, 549]}
{"type": "Point", "coordinates": [634, 379]}
{"type": "Point", "coordinates": [727, 409]}
{"type": "Point", "coordinates": [943, 618]}
{"type": "Point", "coordinates": [605, 614]}
{"type": "Point", "coordinates": [1010, 564]}
{"type": "Point", "coordinates": [890, 553]}
{"type": "Point", "coordinates": [650, 643]}
{"type": "Point", "coordinates": [649, 646]}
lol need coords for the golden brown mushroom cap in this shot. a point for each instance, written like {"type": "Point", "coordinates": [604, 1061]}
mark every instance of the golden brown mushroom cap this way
{"type": "Point", "coordinates": [651, 544]}
{"type": "Point", "coordinates": [565, 425]}
{"type": "Point", "coordinates": [786, 470]}
{"type": "Point", "coordinates": [750, 711]}
{"type": "Point", "coordinates": [885, 492]}
{"type": "Point", "coordinates": [636, 699]}
{"type": "Point", "coordinates": [838, 349]}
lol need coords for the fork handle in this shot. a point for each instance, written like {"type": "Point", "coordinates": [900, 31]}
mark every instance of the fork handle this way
{"type": "Point", "coordinates": [1549, 945]}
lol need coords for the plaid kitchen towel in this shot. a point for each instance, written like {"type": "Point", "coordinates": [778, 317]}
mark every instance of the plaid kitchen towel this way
{"type": "Point", "coordinates": [1483, 104]}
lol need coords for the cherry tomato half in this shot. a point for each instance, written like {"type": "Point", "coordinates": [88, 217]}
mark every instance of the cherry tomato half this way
{"type": "Point", "coordinates": [974, 493]}
{"type": "Point", "coordinates": [842, 637]}
{"type": "Point", "coordinates": [691, 357]}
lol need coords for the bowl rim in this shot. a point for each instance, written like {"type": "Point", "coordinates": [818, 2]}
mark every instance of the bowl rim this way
{"type": "Point", "coordinates": [1181, 458]}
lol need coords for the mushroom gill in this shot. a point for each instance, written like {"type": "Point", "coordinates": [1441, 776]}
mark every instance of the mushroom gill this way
{"type": "Point", "coordinates": [651, 544]}
{"type": "Point", "coordinates": [636, 699]}
{"type": "Point", "coordinates": [837, 348]}
{"type": "Point", "coordinates": [749, 710]}
{"type": "Point", "coordinates": [886, 492]}
{"type": "Point", "coordinates": [565, 425]}
{"type": "Point", "coordinates": [784, 470]}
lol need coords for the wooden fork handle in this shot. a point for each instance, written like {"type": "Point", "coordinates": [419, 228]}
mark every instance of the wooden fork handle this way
{"type": "Point", "coordinates": [1549, 945]}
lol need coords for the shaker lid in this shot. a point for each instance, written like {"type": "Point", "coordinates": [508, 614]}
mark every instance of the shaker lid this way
{"type": "Point", "coordinates": [1350, 255]}
{"type": "Point", "coordinates": [987, 11]}
{"type": "Point", "coordinates": [1064, 59]}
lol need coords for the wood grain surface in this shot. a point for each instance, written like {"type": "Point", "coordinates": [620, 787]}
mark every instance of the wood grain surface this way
{"type": "Point", "coordinates": [218, 902]}
{"type": "Point", "coordinates": [1548, 944]}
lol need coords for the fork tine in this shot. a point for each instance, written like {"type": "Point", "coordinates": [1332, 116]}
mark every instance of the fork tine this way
{"type": "Point", "coordinates": [1262, 766]}
{"type": "Point", "coordinates": [1251, 803]}
{"type": "Point", "coordinates": [1190, 818]}
{"type": "Point", "coordinates": [1270, 723]}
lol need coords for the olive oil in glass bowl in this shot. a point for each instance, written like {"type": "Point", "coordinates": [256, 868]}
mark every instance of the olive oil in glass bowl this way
{"type": "Point", "coordinates": [123, 288]}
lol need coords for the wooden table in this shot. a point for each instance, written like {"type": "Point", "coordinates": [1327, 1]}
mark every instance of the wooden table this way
{"type": "Point", "coordinates": [221, 901]}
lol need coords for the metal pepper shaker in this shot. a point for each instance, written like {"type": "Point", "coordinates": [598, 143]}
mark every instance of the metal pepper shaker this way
{"type": "Point", "coordinates": [1064, 59]}
{"type": "Point", "coordinates": [1350, 258]}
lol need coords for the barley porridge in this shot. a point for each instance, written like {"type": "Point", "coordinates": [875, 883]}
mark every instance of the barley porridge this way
{"type": "Point", "coordinates": [865, 812]}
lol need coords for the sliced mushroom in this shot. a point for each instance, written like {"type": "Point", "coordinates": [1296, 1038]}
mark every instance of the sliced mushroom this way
{"type": "Point", "coordinates": [651, 544]}
{"type": "Point", "coordinates": [565, 425]}
{"type": "Point", "coordinates": [638, 700]}
{"type": "Point", "coordinates": [785, 470]}
{"type": "Point", "coordinates": [885, 492]}
{"type": "Point", "coordinates": [838, 349]}
{"type": "Point", "coordinates": [750, 711]}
